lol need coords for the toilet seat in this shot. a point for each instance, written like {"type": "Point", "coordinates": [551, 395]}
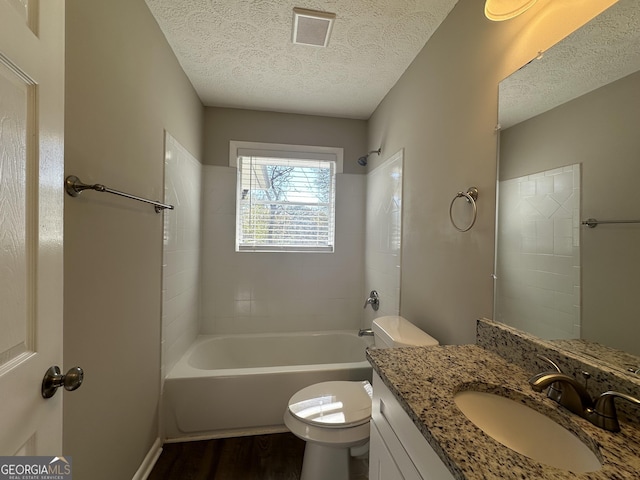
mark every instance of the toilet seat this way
{"type": "Point", "coordinates": [338, 404]}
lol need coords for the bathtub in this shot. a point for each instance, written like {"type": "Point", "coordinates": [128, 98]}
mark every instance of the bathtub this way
{"type": "Point", "coordinates": [232, 385]}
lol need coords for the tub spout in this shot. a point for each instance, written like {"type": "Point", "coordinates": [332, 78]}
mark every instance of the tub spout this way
{"type": "Point", "coordinates": [365, 332]}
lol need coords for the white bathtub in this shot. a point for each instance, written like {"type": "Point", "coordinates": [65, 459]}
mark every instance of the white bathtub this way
{"type": "Point", "coordinates": [229, 385]}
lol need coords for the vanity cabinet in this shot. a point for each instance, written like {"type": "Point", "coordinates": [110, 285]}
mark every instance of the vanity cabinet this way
{"type": "Point", "coordinates": [398, 451]}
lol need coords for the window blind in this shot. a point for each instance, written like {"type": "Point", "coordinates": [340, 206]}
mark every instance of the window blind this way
{"type": "Point", "coordinates": [285, 204]}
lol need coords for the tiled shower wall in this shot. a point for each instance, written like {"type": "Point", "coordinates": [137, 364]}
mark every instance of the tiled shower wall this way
{"type": "Point", "coordinates": [538, 269]}
{"type": "Point", "coordinates": [273, 292]}
{"type": "Point", "coordinates": [181, 253]}
{"type": "Point", "coordinates": [384, 236]}
{"type": "Point", "coordinates": [260, 292]}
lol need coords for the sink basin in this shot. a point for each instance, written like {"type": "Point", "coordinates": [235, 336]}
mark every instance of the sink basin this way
{"type": "Point", "coordinates": [527, 431]}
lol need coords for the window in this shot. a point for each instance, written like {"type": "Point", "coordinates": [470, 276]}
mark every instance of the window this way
{"type": "Point", "coordinates": [285, 198]}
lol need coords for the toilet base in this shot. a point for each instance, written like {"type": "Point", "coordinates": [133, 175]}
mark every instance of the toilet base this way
{"type": "Point", "coordinates": [330, 440]}
{"type": "Point", "coordinates": [322, 462]}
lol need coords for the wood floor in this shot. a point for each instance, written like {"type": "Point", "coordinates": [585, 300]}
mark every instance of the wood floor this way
{"type": "Point", "coordinates": [261, 457]}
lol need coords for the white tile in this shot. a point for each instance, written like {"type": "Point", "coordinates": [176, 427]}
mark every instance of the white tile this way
{"type": "Point", "coordinates": [527, 188]}
{"type": "Point", "coordinates": [545, 245]}
{"type": "Point", "coordinates": [209, 325]}
{"type": "Point", "coordinates": [564, 284]}
{"type": "Point", "coordinates": [562, 227]}
{"type": "Point", "coordinates": [563, 246]}
{"type": "Point", "coordinates": [544, 185]}
{"type": "Point", "coordinates": [529, 245]}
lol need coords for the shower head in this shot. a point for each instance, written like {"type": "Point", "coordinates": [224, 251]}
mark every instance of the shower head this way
{"type": "Point", "coordinates": [364, 159]}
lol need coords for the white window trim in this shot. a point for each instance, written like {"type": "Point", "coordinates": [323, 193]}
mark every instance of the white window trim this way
{"type": "Point", "coordinates": [282, 150]}
{"type": "Point", "coordinates": [278, 150]}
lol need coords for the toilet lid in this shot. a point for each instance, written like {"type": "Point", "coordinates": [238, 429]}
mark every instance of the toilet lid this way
{"type": "Point", "coordinates": [333, 404]}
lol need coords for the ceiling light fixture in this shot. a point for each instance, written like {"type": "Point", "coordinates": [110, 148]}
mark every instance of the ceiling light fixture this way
{"type": "Point", "coordinates": [311, 27]}
{"type": "Point", "coordinates": [499, 10]}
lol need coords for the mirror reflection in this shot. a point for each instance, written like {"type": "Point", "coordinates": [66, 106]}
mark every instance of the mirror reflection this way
{"type": "Point", "coordinates": [569, 151]}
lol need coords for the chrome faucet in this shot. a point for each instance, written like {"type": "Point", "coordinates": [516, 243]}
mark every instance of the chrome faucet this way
{"type": "Point", "coordinates": [569, 393]}
{"type": "Point", "coordinates": [373, 300]}
{"type": "Point", "coordinates": [365, 332]}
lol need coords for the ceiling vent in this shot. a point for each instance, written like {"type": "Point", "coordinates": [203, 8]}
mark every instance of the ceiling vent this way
{"type": "Point", "coordinates": [311, 27]}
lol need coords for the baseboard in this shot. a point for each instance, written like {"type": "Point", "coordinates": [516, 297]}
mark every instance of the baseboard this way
{"type": "Point", "coordinates": [236, 432]}
{"type": "Point", "coordinates": [149, 461]}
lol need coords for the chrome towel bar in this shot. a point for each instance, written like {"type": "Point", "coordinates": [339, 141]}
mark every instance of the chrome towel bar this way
{"type": "Point", "coordinates": [74, 187]}
{"type": "Point", "coordinates": [593, 223]}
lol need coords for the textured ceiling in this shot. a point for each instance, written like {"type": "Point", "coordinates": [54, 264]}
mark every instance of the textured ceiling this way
{"type": "Point", "coordinates": [604, 50]}
{"type": "Point", "coordinates": [238, 53]}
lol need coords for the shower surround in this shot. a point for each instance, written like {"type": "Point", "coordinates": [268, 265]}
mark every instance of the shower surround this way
{"type": "Point", "coordinates": [180, 253]}
{"type": "Point", "coordinates": [384, 236]}
{"type": "Point", "coordinates": [266, 292]}
{"type": "Point", "coordinates": [250, 292]}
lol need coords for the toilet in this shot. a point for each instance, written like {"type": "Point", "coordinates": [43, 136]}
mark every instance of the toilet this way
{"type": "Point", "coordinates": [333, 417]}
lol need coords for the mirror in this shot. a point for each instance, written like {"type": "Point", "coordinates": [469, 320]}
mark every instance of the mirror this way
{"type": "Point", "coordinates": [569, 151]}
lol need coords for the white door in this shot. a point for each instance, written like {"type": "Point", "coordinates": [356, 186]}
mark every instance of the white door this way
{"type": "Point", "coordinates": [31, 222]}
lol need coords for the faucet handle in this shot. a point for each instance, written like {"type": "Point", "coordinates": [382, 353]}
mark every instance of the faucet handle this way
{"type": "Point", "coordinates": [604, 413]}
{"type": "Point", "coordinates": [373, 300]}
{"type": "Point", "coordinates": [554, 392]}
{"type": "Point", "coordinates": [549, 361]}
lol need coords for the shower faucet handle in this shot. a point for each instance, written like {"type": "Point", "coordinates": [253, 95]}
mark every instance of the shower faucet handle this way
{"type": "Point", "coordinates": [373, 300]}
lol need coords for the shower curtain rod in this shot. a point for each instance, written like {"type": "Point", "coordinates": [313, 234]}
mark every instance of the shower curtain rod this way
{"type": "Point", "coordinates": [74, 187]}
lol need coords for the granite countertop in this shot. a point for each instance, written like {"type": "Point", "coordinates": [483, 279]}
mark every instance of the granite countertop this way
{"type": "Point", "coordinates": [425, 380]}
{"type": "Point", "coordinates": [617, 359]}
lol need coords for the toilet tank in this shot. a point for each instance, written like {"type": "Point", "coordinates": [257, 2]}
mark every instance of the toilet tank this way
{"type": "Point", "coordinates": [396, 331]}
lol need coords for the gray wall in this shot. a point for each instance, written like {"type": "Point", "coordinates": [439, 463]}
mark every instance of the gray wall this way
{"type": "Point", "coordinates": [123, 88]}
{"type": "Point", "coordinates": [600, 131]}
{"type": "Point", "coordinates": [443, 111]}
{"type": "Point", "coordinates": [224, 124]}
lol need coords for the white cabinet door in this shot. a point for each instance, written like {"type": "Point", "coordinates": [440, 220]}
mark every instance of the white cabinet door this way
{"type": "Point", "coordinates": [381, 463]}
{"type": "Point", "coordinates": [412, 456]}
{"type": "Point", "coordinates": [31, 222]}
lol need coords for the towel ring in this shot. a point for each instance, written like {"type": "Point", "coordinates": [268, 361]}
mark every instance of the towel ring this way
{"type": "Point", "coordinates": [471, 195]}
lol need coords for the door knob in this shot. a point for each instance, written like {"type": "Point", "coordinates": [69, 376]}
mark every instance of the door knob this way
{"type": "Point", "coordinates": [54, 379]}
